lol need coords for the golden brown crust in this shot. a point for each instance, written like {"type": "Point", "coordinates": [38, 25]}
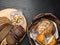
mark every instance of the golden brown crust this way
{"type": "Point", "coordinates": [46, 27]}
{"type": "Point", "coordinates": [40, 39]}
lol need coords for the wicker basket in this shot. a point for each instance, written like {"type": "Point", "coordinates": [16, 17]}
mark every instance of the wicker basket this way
{"type": "Point", "coordinates": [36, 19]}
{"type": "Point", "coordinates": [7, 12]}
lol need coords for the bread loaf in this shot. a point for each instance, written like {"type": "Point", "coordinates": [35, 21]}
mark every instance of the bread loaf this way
{"type": "Point", "coordinates": [46, 27]}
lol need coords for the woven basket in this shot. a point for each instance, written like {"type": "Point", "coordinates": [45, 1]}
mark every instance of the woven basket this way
{"type": "Point", "coordinates": [6, 13]}
{"type": "Point", "coordinates": [37, 18]}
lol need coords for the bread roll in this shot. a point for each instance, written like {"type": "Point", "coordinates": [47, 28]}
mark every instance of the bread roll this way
{"type": "Point", "coordinates": [46, 27]}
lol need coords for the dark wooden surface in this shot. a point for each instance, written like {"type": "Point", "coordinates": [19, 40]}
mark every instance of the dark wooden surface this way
{"type": "Point", "coordinates": [31, 8]}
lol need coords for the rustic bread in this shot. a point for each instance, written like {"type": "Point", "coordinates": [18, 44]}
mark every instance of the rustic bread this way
{"type": "Point", "coordinates": [46, 27]}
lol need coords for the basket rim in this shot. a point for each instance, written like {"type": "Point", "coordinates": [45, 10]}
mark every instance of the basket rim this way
{"type": "Point", "coordinates": [39, 16]}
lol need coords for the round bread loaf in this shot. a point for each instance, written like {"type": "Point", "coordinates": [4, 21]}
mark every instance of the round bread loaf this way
{"type": "Point", "coordinates": [46, 27]}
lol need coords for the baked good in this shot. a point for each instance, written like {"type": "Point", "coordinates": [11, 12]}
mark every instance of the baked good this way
{"type": "Point", "coordinates": [54, 38]}
{"type": "Point", "coordinates": [46, 27]}
{"type": "Point", "coordinates": [42, 40]}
